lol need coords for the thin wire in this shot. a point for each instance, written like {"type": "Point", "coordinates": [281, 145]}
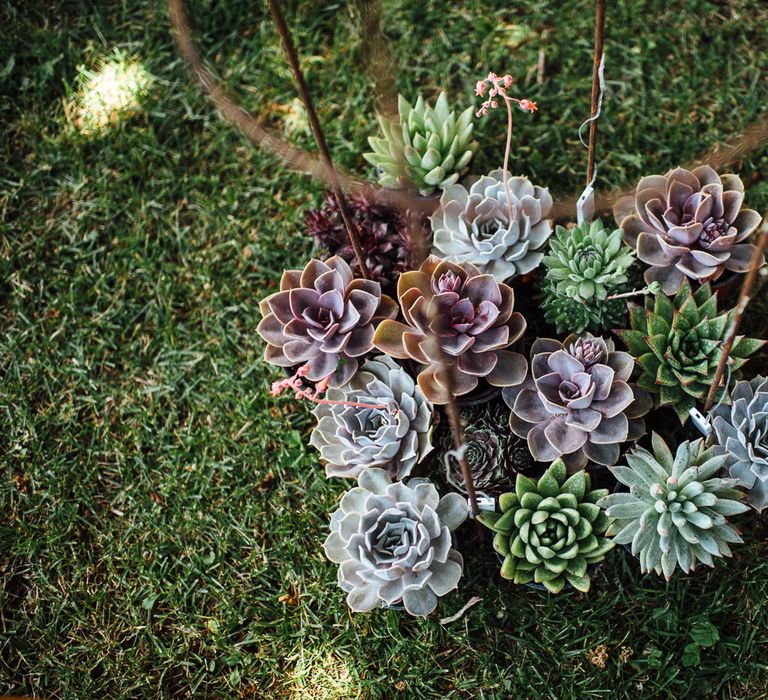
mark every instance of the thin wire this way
{"type": "Point", "coordinates": [596, 115]}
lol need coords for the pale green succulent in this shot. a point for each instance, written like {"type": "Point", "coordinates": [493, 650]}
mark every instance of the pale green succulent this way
{"type": "Point", "coordinates": [549, 531]}
{"type": "Point", "coordinates": [425, 149]}
{"type": "Point", "coordinates": [587, 262]}
{"type": "Point", "coordinates": [675, 512]}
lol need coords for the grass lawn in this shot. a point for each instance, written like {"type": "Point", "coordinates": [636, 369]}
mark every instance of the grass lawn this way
{"type": "Point", "coordinates": [162, 516]}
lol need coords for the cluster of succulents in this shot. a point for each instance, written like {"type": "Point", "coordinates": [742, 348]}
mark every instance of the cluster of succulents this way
{"type": "Point", "coordinates": [689, 225]}
{"type": "Point", "coordinates": [458, 326]}
{"type": "Point", "coordinates": [678, 342]}
{"type": "Point", "coordinates": [500, 229]}
{"type": "Point", "coordinates": [323, 318]}
{"type": "Point", "coordinates": [577, 402]}
{"type": "Point", "coordinates": [675, 512]}
{"type": "Point", "coordinates": [741, 430]}
{"type": "Point", "coordinates": [352, 436]}
{"type": "Point", "coordinates": [390, 379]}
{"type": "Point", "coordinates": [494, 455]}
{"type": "Point", "coordinates": [425, 148]}
{"type": "Point", "coordinates": [392, 242]}
{"type": "Point", "coordinates": [549, 531]}
{"type": "Point", "coordinates": [584, 267]}
{"type": "Point", "coordinates": [393, 543]}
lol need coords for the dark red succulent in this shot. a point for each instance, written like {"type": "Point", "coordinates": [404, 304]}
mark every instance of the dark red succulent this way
{"type": "Point", "coordinates": [392, 242]}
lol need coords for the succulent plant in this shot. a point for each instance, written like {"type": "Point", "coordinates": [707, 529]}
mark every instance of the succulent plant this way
{"type": "Point", "coordinates": [474, 226]}
{"type": "Point", "coordinates": [742, 436]}
{"type": "Point", "coordinates": [576, 402]}
{"type": "Point", "coordinates": [458, 323]}
{"type": "Point", "coordinates": [572, 316]}
{"type": "Point", "coordinates": [675, 512]}
{"type": "Point", "coordinates": [322, 318]}
{"type": "Point", "coordinates": [587, 262]}
{"type": "Point", "coordinates": [426, 148]}
{"type": "Point", "coordinates": [494, 456]}
{"type": "Point", "coordinates": [678, 343]}
{"type": "Point", "coordinates": [392, 241]}
{"type": "Point", "coordinates": [393, 543]}
{"type": "Point", "coordinates": [689, 224]}
{"type": "Point", "coordinates": [549, 531]}
{"type": "Point", "coordinates": [353, 438]}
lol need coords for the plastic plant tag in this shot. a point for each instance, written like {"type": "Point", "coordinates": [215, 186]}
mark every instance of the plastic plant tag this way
{"type": "Point", "coordinates": [585, 206]}
{"type": "Point", "coordinates": [701, 423]}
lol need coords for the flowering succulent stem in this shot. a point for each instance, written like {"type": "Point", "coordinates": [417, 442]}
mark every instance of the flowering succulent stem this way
{"type": "Point", "coordinates": [498, 89]}
{"type": "Point", "coordinates": [506, 156]}
{"type": "Point", "coordinates": [744, 298]}
{"type": "Point", "coordinates": [317, 131]}
{"type": "Point", "coordinates": [294, 383]}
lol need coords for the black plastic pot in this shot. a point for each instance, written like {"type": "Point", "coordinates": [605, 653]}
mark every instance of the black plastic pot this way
{"type": "Point", "coordinates": [726, 283]}
{"type": "Point", "coordinates": [483, 393]}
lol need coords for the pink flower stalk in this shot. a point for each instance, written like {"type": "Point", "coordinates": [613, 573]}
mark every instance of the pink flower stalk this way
{"type": "Point", "coordinates": [499, 87]}
{"type": "Point", "coordinates": [295, 384]}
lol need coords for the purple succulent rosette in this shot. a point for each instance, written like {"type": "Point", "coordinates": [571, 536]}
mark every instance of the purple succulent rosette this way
{"type": "Point", "coordinates": [458, 324]}
{"type": "Point", "coordinates": [688, 224]}
{"type": "Point", "coordinates": [577, 403]}
{"type": "Point", "coordinates": [323, 318]}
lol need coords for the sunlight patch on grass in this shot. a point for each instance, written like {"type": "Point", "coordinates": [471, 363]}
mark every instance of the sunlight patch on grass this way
{"type": "Point", "coordinates": [322, 676]}
{"type": "Point", "coordinates": [109, 95]}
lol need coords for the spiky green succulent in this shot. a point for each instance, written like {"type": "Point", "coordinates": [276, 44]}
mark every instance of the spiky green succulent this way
{"type": "Point", "coordinates": [549, 531]}
{"type": "Point", "coordinates": [678, 343]}
{"type": "Point", "coordinates": [587, 262]}
{"type": "Point", "coordinates": [675, 512]}
{"type": "Point", "coordinates": [425, 148]}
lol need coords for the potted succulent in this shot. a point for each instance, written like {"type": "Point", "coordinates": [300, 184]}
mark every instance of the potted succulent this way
{"type": "Point", "coordinates": [550, 531]}
{"type": "Point", "coordinates": [577, 402]}
{"type": "Point", "coordinates": [458, 327]}
{"type": "Point", "coordinates": [425, 149]}
{"type": "Point", "coordinates": [449, 346]}
{"type": "Point", "coordinates": [585, 268]}
{"type": "Point", "coordinates": [689, 225]}
{"type": "Point", "coordinates": [677, 343]}
{"type": "Point", "coordinates": [675, 512]}
{"type": "Point", "coordinates": [499, 229]}
{"type": "Point", "coordinates": [393, 544]}
{"type": "Point", "coordinates": [392, 242]}
{"type": "Point", "coordinates": [495, 456]}
{"type": "Point", "coordinates": [741, 436]}
{"type": "Point", "coordinates": [322, 320]}
{"type": "Point", "coordinates": [378, 419]}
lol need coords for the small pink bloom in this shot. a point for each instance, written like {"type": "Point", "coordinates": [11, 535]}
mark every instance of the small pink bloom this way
{"type": "Point", "coordinates": [507, 80]}
{"type": "Point", "coordinates": [528, 106]}
{"type": "Point", "coordinates": [480, 88]}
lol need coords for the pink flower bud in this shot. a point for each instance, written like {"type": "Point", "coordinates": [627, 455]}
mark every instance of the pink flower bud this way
{"type": "Point", "coordinates": [507, 80]}
{"type": "Point", "coordinates": [527, 105]}
{"type": "Point", "coordinates": [480, 88]}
